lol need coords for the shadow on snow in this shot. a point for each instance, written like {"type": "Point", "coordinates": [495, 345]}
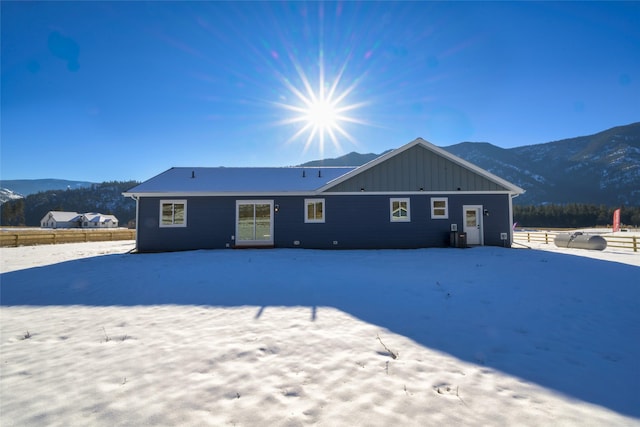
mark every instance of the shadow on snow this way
{"type": "Point", "coordinates": [564, 322]}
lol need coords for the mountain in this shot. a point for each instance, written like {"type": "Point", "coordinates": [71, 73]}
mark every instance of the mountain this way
{"type": "Point", "coordinates": [351, 159]}
{"type": "Point", "coordinates": [603, 168]}
{"type": "Point", "coordinates": [600, 169]}
{"type": "Point", "coordinates": [6, 195]}
{"type": "Point", "coordinates": [105, 198]}
{"type": "Point", "coordinates": [24, 187]}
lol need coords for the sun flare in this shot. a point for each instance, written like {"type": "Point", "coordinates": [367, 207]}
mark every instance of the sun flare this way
{"type": "Point", "coordinates": [321, 110]}
{"type": "Point", "coordinates": [322, 115]}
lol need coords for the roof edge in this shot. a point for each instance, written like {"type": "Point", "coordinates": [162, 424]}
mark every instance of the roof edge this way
{"type": "Point", "coordinates": [429, 146]}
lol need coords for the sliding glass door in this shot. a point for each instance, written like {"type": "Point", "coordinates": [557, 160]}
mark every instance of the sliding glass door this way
{"type": "Point", "coordinates": [254, 222]}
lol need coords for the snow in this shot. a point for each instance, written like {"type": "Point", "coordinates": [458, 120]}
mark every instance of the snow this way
{"type": "Point", "coordinates": [7, 195]}
{"type": "Point", "coordinates": [92, 335]}
{"type": "Point", "coordinates": [239, 180]}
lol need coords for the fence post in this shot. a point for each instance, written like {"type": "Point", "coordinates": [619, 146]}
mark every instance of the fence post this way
{"type": "Point", "coordinates": [635, 244]}
{"type": "Point", "coordinates": [528, 237]}
{"type": "Point", "coordinates": [546, 238]}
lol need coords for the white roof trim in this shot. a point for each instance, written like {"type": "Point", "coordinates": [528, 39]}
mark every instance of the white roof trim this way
{"type": "Point", "coordinates": [219, 193]}
{"type": "Point", "coordinates": [429, 146]}
{"type": "Point", "coordinates": [310, 193]}
{"type": "Point", "coordinates": [409, 193]}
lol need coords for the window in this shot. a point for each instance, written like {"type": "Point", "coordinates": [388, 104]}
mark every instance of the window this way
{"type": "Point", "coordinates": [439, 208]}
{"type": "Point", "coordinates": [173, 213]}
{"type": "Point", "coordinates": [313, 210]}
{"type": "Point", "coordinates": [400, 211]}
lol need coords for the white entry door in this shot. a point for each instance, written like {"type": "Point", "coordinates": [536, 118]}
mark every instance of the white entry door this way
{"type": "Point", "coordinates": [472, 217]}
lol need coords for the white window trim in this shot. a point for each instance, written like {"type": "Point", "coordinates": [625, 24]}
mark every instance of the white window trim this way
{"type": "Point", "coordinates": [173, 202]}
{"type": "Point", "coordinates": [401, 219]}
{"type": "Point", "coordinates": [446, 207]}
{"type": "Point", "coordinates": [324, 211]}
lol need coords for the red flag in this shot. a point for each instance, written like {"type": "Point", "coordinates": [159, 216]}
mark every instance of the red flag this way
{"type": "Point", "coordinates": [616, 220]}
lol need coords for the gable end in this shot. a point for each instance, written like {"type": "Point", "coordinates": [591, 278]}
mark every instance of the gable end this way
{"type": "Point", "coordinates": [417, 167]}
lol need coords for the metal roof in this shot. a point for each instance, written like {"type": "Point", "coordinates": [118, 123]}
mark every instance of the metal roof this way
{"type": "Point", "coordinates": [239, 180]}
{"type": "Point", "coordinates": [62, 216]}
{"type": "Point", "coordinates": [272, 180]}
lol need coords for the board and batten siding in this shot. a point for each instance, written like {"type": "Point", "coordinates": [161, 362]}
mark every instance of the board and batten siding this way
{"type": "Point", "coordinates": [354, 221]}
{"type": "Point", "coordinates": [417, 169]}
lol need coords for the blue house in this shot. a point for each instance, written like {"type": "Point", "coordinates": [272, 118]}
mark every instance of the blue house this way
{"type": "Point", "coordinates": [411, 197]}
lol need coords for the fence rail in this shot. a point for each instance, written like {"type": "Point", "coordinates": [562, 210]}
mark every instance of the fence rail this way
{"type": "Point", "coordinates": [617, 241]}
{"type": "Point", "coordinates": [14, 238]}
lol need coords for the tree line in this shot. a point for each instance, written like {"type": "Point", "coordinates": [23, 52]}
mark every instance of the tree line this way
{"type": "Point", "coordinates": [105, 198]}
{"type": "Point", "coordinates": [573, 215]}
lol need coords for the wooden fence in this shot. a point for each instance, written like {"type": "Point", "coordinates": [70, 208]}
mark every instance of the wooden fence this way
{"type": "Point", "coordinates": [618, 241]}
{"type": "Point", "coordinates": [26, 237]}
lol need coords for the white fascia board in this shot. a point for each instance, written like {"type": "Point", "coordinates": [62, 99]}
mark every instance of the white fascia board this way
{"type": "Point", "coordinates": [312, 193]}
{"type": "Point", "coordinates": [412, 193]}
{"type": "Point", "coordinates": [220, 194]}
{"type": "Point", "coordinates": [429, 146]}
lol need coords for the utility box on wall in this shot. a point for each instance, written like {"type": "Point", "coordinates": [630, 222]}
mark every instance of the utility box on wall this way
{"type": "Point", "coordinates": [458, 239]}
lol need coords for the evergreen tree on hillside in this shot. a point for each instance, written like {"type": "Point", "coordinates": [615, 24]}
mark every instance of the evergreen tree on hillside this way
{"type": "Point", "coordinates": [573, 215]}
{"type": "Point", "coordinates": [12, 213]}
{"type": "Point", "coordinates": [105, 198]}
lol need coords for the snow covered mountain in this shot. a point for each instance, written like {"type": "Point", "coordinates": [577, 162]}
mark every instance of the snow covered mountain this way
{"type": "Point", "coordinates": [32, 186]}
{"type": "Point", "coordinates": [603, 168]}
{"type": "Point", "coordinates": [105, 197]}
{"type": "Point", "coordinates": [6, 195]}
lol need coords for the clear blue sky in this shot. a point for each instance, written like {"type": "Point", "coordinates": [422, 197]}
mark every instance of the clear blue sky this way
{"type": "Point", "coordinates": [125, 90]}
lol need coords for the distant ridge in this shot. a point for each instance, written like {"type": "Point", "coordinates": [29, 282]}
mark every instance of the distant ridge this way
{"type": "Point", "coordinates": [603, 168]}
{"type": "Point", "coordinates": [105, 198]}
{"type": "Point", "coordinates": [600, 169]}
{"type": "Point", "coordinates": [351, 159]}
{"type": "Point", "coordinates": [32, 186]}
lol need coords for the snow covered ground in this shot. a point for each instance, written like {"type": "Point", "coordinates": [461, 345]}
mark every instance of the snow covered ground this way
{"type": "Point", "coordinates": [91, 335]}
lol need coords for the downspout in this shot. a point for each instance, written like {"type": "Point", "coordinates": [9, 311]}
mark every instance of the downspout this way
{"type": "Point", "coordinates": [512, 196]}
{"type": "Point", "coordinates": [137, 218]}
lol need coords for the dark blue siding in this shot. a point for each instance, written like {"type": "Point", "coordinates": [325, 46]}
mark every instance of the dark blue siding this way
{"type": "Point", "coordinates": [210, 224]}
{"type": "Point", "coordinates": [353, 221]}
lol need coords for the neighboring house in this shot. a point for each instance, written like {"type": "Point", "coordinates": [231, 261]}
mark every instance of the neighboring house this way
{"type": "Point", "coordinates": [411, 197]}
{"type": "Point", "coordinates": [59, 219]}
{"type": "Point", "coordinates": [98, 220]}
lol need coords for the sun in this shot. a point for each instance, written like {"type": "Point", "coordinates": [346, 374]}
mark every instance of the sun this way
{"type": "Point", "coordinates": [322, 115]}
{"type": "Point", "coordinates": [322, 110]}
